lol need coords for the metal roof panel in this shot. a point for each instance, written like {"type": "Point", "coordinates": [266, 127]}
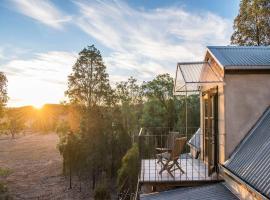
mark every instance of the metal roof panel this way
{"type": "Point", "coordinates": [239, 57]}
{"type": "Point", "coordinates": [251, 159]}
{"type": "Point", "coordinates": [213, 192]}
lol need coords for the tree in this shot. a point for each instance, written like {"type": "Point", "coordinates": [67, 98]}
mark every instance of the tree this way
{"type": "Point", "coordinates": [3, 92]}
{"type": "Point", "coordinates": [160, 90]}
{"type": "Point", "coordinates": [128, 173]}
{"type": "Point", "coordinates": [69, 147]}
{"type": "Point", "coordinates": [153, 114]}
{"type": "Point", "coordinates": [129, 97]}
{"type": "Point", "coordinates": [15, 122]}
{"type": "Point", "coordinates": [89, 89]}
{"type": "Point", "coordinates": [88, 84]}
{"type": "Point", "coordinates": [193, 112]}
{"type": "Point", "coordinates": [129, 92]}
{"type": "Point", "coordinates": [252, 24]}
{"type": "Point", "coordinates": [102, 193]}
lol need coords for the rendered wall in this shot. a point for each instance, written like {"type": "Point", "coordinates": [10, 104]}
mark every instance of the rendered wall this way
{"type": "Point", "coordinates": [246, 98]}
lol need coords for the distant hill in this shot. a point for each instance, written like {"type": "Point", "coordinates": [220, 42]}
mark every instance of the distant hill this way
{"type": "Point", "coordinates": [43, 119]}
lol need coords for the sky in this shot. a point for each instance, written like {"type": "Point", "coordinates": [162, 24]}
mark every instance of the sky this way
{"type": "Point", "coordinates": [40, 39]}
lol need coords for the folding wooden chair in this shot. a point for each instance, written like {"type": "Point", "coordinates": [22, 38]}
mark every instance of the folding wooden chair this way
{"type": "Point", "coordinates": [169, 160]}
{"type": "Point", "coordinates": [168, 145]}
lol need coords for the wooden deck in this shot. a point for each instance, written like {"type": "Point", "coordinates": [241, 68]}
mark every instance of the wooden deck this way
{"type": "Point", "coordinates": [195, 170]}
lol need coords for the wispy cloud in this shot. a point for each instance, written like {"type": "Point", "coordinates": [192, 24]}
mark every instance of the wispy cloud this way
{"type": "Point", "coordinates": [41, 65]}
{"type": "Point", "coordinates": [43, 11]}
{"type": "Point", "coordinates": [140, 42]}
{"type": "Point", "coordinates": [150, 41]}
{"type": "Point", "coordinates": [41, 78]}
{"type": "Point", "coordinates": [1, 53]}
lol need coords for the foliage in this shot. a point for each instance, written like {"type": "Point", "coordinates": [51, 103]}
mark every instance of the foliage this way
{"type": "Point", "coordinates": [96, 138]}
{"type": "Point", "coordinates": [4, 192]}
{"type": "Point", "coordinates": [161, 88]}
{"type": "Point", "coordinates": [252, 25]}
{"type": "Point", "coordinates": [193, 112]}
{"type": "Point", "coordinates": [102, 193]}
{"type": "Point", "coordinates": [128, 173]}
{"type": "Point", "coordinates": [5, 172]}
{"type": "Point", "coordinates": [153, 114]}
{"type": "Point", "coordinates": [74, 117]}
{"type": "Point", "coordinates": [15, 122]}
{"type": "Point", "coordinates": [160, 101]}
{"type": "Point", "coordinates": [69, 147]}
{"type": "Point", "coordinates": [3, 188]}
{"type": "Point", "coordinates": [89, 90]}
{"type": "Point", "coordinates": [3, 92]}
{"type": "Point", "coordinates": [63, 128]}
{"type": "Point", "coordinates": [129, 92]}
{"type": "Point", "coordinates": [88, 84]}
{"type": "Point", "coordinates": [129, 96]}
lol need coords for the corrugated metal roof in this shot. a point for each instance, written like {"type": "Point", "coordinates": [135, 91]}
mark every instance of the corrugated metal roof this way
{"type": "Point", "coordinates": [236, 57]}
{"type": "Point", "coordinates": [195, 140]}
{"type": "Point", "coordinates": [251, 160]}
{"type": "Point", "coordinates": [213, 192]}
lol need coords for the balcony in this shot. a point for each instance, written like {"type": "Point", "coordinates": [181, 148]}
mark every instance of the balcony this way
{"type": "Point", "coordinates": [155, 141]}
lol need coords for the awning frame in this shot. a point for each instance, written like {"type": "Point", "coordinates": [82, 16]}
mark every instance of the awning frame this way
{"type": "Point", "coordinates": [193, 83]}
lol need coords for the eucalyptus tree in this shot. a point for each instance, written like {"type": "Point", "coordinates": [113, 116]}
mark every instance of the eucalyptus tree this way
{"type": "Point", "coordinates": [130, 98]}
{"type": "Point", "coordinates": [88, 84]}
{"type": "Point", "coordinates": [160, 96]}
{"type": "Point", "coordinates": [89, 88]}
{"type": "Point", "coordinates": [252, 24]}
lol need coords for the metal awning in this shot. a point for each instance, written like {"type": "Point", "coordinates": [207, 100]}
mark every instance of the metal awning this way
{"type": "Point", "coordinates": [190, 76]}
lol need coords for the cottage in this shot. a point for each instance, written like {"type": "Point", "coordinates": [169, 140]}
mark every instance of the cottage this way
{"type": "Point", "coordinates": [232, 143]}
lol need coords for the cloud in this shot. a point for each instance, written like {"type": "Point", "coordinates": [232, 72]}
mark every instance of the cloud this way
{"type": "Point", "coordinates": [1, 53]}
{"type": "Point", "coordinates": [43, 11]}
{"type": "Point", "coordinates": [149, 42]}
{"type": "Point", "coordinates": [41, 79]}
{"type": "Point", "coordinates": [41, 65]}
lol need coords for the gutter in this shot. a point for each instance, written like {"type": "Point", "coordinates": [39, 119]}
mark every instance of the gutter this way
{"type": "Point", "coordinates": [241, 181]}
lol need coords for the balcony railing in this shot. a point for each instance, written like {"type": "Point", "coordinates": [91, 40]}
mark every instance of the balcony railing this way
{"type": "Point", "coordinates": [155, 147]}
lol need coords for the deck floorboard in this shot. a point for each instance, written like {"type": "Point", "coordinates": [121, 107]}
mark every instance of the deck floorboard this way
{"type": "Point", "coordinates": [195, 170]}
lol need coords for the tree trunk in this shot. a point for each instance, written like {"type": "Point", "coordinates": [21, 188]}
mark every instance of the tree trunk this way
{"type": "Point", "coordinates": [64, 166]}
{"type": "Point", "coordinates": [93, 181]}
{"type": "Point", "coordinates": [257, 32]}
{"type": "Point", "coordinates": [70, 179]}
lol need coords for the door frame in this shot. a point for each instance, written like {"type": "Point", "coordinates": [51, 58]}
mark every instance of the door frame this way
{"type": "Point", "coordinates": [210, 144]}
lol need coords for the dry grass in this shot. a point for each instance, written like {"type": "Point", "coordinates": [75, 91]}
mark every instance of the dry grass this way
{"type": "Point", "coordinates": [36, 167]}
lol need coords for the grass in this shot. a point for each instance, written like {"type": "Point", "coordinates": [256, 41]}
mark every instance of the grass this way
{"type": "Point", "coordinates": [3, 187]}
{"type": "Point", "coordinates": [5, 171]}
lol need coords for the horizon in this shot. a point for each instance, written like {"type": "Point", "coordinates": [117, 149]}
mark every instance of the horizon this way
{"type": "Point", "coordinates": [48, 35]}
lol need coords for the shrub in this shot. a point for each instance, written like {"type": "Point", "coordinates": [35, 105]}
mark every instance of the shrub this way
{"type": "Point", "coordinates": [5, 171]}
{"type": "Point", "coordinates": [128, 173]}
{"type": "Point", "coordinates": [102, 193]}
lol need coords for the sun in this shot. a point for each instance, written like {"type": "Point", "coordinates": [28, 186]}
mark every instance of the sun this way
{"type": "Point", "coordinates": [38, 106]}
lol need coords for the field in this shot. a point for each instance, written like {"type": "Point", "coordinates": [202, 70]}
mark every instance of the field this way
{"type": "Point", "coordinates": [33, 167]}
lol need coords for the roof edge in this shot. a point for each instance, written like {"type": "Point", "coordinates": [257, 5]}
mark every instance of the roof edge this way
{"type": "Point", "coordinates": [213, 56]}
{"type": "Point", "coordinates": [239, 179]}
